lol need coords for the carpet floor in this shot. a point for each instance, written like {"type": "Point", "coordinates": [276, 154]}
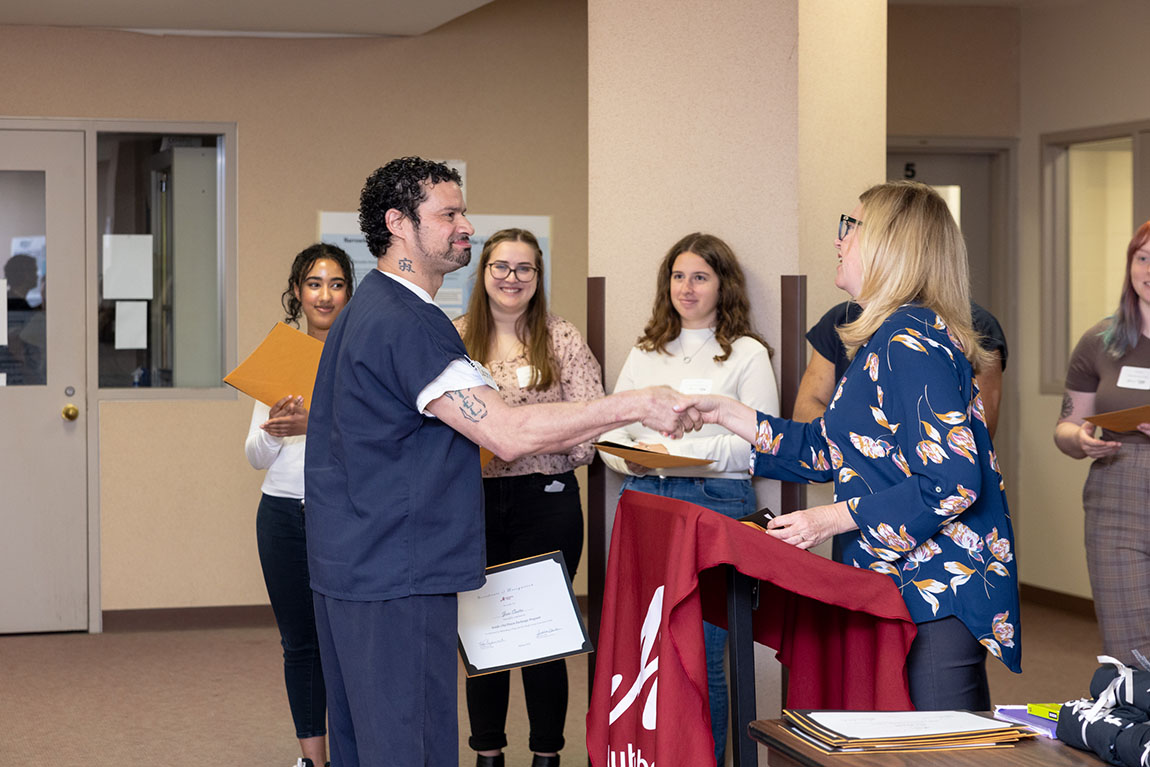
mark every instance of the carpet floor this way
{"type": "Point", "coordinates": [215, 696]}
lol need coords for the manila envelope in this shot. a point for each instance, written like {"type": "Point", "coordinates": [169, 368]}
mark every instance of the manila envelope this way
{"type": "Point", "coordinates": [285, 363]}
{"type": "Point", "coordinates": [1122, 420]}
{"type": "Point", "coordinates": [649, 458]}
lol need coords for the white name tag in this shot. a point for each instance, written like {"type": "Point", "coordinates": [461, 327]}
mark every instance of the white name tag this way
{"type": "Point", "coordinates": [485, 374]}
{"type": "Point", "coordinates": [524, 375]}
{"type": "Point", "coordinates": [1134, 378]}
{"type": "Point", "coordinates": [695, 386]}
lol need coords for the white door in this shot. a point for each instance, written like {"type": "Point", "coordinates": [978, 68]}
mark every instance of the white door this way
{"type": "Point", "coordinates": [43, 400]}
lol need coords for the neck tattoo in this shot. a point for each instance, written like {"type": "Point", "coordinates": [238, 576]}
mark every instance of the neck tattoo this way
{"type": "Point", "coordinates": [683, 350]}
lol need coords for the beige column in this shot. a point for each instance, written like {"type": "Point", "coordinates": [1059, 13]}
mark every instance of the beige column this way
{"type": "Point", "coordinates": [756, 120]}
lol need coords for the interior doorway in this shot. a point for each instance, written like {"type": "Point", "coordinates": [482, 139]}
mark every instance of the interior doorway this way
{"type": "Point", "coordinates": [970, 174]}
{"type": "Point", "coordinates": [984, 173]}
{"type": "Point", "coordinates": [44, 405]}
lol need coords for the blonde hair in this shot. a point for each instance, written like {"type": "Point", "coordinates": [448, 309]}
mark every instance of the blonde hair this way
{"type": "Point", "coordinates": [911, 251]}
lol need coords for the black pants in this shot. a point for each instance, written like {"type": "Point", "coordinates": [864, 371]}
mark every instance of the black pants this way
{"type": "Point", "coordinates": [283, 557]}
{"type": "Point", "coordinates": [946, 668]}
{"type": "Point", "coordinates": [527, 515]}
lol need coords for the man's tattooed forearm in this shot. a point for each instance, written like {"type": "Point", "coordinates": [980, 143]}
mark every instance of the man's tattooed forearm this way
{"type": "Point", "coordinates": [472, 407]}
{"type": "Point", "coordinates": [1067, 406]}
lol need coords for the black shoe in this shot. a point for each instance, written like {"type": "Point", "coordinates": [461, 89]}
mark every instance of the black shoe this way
{"type": "Point", "coordinates": [488, 761]}
{"type": "Point", "coordinates": [545, 761]}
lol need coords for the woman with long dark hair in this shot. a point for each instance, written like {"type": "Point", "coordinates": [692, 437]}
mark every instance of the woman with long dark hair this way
{"type": "Point", "coordinates": [320, 285]}
{"type": "Point", "coordinates": [532, 504]}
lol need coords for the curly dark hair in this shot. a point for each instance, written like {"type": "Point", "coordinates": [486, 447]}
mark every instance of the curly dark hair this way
{"type": "Point", "coordinates": [733, 313]}
{"type": "Point", "coordinates": [300, 268]}
{"type": "Point", "coordinates": [401, 184]}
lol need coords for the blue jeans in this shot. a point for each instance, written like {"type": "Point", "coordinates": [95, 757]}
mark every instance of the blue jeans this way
{"type": "Point", "coordinates": [732, 498]}
{"type": "Point", "coordinates": [283, 557]}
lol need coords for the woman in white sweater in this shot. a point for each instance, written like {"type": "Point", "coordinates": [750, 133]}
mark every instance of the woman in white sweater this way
{"type": "Point", "coordinates": [700, 340]}
{"type": "Point", "coordinates": [319, 286]}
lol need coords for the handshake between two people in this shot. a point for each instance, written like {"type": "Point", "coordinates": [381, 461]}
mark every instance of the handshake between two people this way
{"type": "Point", "coordinates": [804, 528]}
{"type": "Point", "coordinates": [673, 414]}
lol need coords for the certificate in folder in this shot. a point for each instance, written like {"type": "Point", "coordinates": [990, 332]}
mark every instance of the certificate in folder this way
{"type": "Point", "coordinates": [652, 459]}
{"type": "Point", "coordinates": [1121, 420]}
{"type": "Point", "coordinates": [285, 363]}
{"type": "Point", "coordinates": [525, 614]}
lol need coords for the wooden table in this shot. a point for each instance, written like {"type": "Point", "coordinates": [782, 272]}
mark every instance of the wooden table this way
{"type": "Point", "coordinates": [785, 750]}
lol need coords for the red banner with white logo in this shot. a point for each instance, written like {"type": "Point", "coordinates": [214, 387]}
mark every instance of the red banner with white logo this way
{"type": "Point", "coordinates": [843, 633]}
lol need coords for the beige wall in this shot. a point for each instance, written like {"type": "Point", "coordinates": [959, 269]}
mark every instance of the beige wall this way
{"type": "Point", "coordinates": [730, 122]}
{"type": "Point", "coordinates": [842, 140]}
{"type": "Point", "coordinates": [504, 88]}
{"type": "Point", "coordinates": [689, 109]}
{"type": "Point", "coordinates": [1082, 66]}
{"type": "Point", "coordinates": [953, 71]}
{"type": "Point", "coordinates": [842, 129]}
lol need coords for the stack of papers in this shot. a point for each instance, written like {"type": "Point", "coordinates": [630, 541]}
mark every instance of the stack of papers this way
{"type": "Point", "coordinates": [841, 732]}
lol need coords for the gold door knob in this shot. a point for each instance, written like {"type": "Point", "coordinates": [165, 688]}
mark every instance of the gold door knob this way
{"type": "Point", "coordinates": [70, 412]}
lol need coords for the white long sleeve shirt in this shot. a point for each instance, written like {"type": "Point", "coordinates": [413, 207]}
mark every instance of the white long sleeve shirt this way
{"type": "Point", "coordinates": [281, 456]}
{"type": "Point", "coordinates": [747, 375]}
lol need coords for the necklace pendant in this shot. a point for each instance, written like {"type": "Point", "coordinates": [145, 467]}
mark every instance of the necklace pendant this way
{"type": "Point", "coordinates": [687, 360]}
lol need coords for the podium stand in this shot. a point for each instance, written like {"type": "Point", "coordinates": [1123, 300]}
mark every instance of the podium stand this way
{"type": "Point", "coordinates": [742, 592]}
{"type": "Point", "coordinates": [842, 632]}
{"type": "Point", "coordinates": [742, 600]}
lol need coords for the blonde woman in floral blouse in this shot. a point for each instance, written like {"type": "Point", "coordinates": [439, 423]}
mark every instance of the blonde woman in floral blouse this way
{"type": "Point", "coordinates": [532, 504]}
{"type": "Point", "coordinates": [906, 443]}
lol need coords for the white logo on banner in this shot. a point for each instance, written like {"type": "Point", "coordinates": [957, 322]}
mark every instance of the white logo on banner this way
{"type": "Point", "coordinates": [647, 667]}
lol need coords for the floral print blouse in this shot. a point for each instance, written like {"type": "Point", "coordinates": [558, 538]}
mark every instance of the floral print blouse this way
{"type": "Point", "coordinates": [906, 443]}
{"type": "Point", "coordinates": [580, 380]}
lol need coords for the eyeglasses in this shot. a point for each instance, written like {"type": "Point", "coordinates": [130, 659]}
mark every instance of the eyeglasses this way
{"type": "Point", "coordinates": [501, 270]}
{"type": "Point", "coordinates": [847, 225]}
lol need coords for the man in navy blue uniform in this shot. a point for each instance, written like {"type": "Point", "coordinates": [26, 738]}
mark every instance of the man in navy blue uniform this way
{"type": "Point", "coordinates": [394, 498]}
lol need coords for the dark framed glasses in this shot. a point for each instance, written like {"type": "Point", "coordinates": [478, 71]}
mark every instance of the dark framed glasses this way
{"type": "Point", "coordinates": [500, 270]}
{"type": "Point", "coordinates": [847, 225]}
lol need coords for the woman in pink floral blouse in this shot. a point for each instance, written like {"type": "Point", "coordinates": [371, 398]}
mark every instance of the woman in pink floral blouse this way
{"type": "Point", "coordinates": [906, 443]}
{"type": "Point", "coordinates": [532, 504]}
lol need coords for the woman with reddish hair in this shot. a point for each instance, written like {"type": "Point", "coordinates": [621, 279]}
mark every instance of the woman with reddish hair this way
{"type": "Point", "coordinates": [1110, 370]}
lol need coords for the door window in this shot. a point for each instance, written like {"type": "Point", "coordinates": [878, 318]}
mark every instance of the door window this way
{"type": "Point", "coordinates": [23, 330]}
{"type": "Point", "coordinates": [1094, 196]}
